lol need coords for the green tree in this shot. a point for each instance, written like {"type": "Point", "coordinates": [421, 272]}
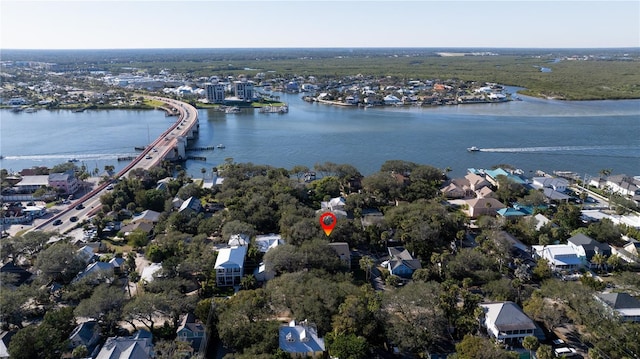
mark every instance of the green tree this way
{"type": "Point", "coordinates": [530, 343]}
{"type": "Point", "coordinates": [366, 264]}
{"type": "Point", "coordinates": [347, 346]}
{"type": "Point", "coordinates": [59, 262]}
{"type": "Point", "coordinates": [105, 304]}
{"type": "Point", "coordinates": [473, 347]}
{"type": "Point", "coordinates": [545, 352]}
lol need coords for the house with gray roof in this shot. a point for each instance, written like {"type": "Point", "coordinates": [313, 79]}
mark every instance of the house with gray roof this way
{"type": "Point", "coordinates": [507, 323]}
{"type": "Point", "coordinates": [191, 331]}
{"type": "Point", "coordinates": [301, 340]}
{"type": "Point", "coordinates": [138, 346]}
{"type": "Point", "coordinates": [148, 216]}
{"type": "Point", "coordinates": [87, 334]}
{"type": "Point", "coordinates": [586, 247]}
{"type": "Point", "coordinates": [623, 305]}
{"type": "Point", "coordinates": [190, 206]}
{"type": "Point", "coordinates": [402, 263]}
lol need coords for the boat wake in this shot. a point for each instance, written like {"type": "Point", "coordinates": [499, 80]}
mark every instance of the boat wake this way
{"type": "Point", "coordinates": [560, 149]}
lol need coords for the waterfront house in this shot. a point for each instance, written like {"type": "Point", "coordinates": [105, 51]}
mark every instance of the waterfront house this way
{"type": "Point", "coordinates": [557, 184]}
{"type": "Point", "coordinates": [301, 340]}
{"type": "Point", "coordinates": [622, 305]}
{"type": "Point", "coordinates": [623, 184]}
{"type": "Point", "coordinates": [29, 184]}
{"type": "Point", "coordinates": [507, 323]}
{"type": "Point", "coordinates": [65, 182]}
{"type": "Point", "coordinates": [229, 266]}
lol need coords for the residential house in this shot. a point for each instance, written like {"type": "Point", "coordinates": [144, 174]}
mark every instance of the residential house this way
{"type": "Point", "coordinates": [239, 239]}
{"type": "Point", "coordinates": [454, 190]}
{"type": "Point", "coordinates": [143, 226]}
{"type": "Point", "coordinates": [402, 263]}
{"type": "Point", "coordinates": [555, 196]}
{"type": "Point", "coordinates": [97, 271]}
{"type": "Point", "coordinates": [622, 305]}
{"type": "Point", "coordinates": [492, 176]}
{"type": "Point", "coordinates": [336, 206]}
{"type": "Point", "coordinates": [5, 339]}
{"type": "Point", "coordinates": [191, 331]}
{"type": "Point", "coordinates": [556, 184]}
{"type": "Point", "coordinates": [147, 216]}
{"type": "Point", "coordinates": [508, 324]}
{"type": "Point", "coordinates": [623, 184]}
{"type": "Point", "coordinates": [485, 192]}
{"type": "Point", "coordinates": [342, 250]}
{"type": "Point", "coordinates": [301, 340]}
{"type": "Point", "coordinates": [476, 182]}
{"type": "Point", "coordinates": [229, 266]}
{"type": "Point", "coordinates": [149, 272]}
{"type": "Point", "coordinates": [65, 182]}
{"type": "Point", "coordinates": [483, 207]}
{"type": "Point", "coordinates": [268, 241]}
{"type": "Point", "coordinates": [190, 206]}
{"type": "Point", "coordinates": [541, 220]}
{"type": "Point", "coordinates": [29, 184]}
{"type": "Point", "coordinates": [138, 346]}
{"type": "Point", "coordinates": [118, 264]}
{"type": "Point", "coordinates": [87, 334]}
{"type": "Point", "coordinates": [586, 247]}
{"type": "Point", "coordinates": [561, 257]}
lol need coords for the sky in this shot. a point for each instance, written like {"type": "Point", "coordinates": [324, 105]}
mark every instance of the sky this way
{"type": "Point", "coordinates": [92, 24]}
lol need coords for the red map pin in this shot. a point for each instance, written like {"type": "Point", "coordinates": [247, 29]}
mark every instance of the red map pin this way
{"type": "Point", "coordinates": [328, 221]}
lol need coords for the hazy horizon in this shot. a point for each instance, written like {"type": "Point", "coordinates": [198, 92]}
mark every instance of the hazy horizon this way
{"type": "Point", "coordinates": [223, 24]}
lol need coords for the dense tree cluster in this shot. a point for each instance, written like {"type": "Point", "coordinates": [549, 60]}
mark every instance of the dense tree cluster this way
{"type": "Point", "coordinates": [438, 308]}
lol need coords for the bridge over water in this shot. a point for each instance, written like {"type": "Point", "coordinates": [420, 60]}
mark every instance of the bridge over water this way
{"type": "Point", "coordinates": [170, 145]}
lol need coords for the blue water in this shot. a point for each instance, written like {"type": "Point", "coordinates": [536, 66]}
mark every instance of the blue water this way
{"type": "Point", "coordinates": [532, 134]}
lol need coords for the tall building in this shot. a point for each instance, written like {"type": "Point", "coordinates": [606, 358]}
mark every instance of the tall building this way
{"type": "Point", "coordinates": [244, 90]}
{"type": "Point", "coordinates": [215, 92]}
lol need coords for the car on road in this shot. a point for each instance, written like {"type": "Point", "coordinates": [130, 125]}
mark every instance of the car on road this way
{"type": "Point", "coordinates": [57, 222]}
{"type": "Point", "coordinates": [73, 219]}
{"type": "Point", "coordinates": [80, 206]}
{"type": "Point", "coordinates": [148, 157]}
{"type": "Point", "coordinates": [109, 187]}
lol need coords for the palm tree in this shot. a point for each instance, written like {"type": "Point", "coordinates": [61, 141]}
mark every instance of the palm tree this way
{"type": "Point", "coordinates": [614, 261]}
{"type": "Point", "coordinates": [530, 343]}
{"type": "Point", "coordinates": [366, 264]}
{"type": "Point", "coordinates": [598, 259]}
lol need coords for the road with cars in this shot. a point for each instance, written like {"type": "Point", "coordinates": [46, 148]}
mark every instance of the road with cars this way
{"type": "Point", "coordinates": [153, 155]}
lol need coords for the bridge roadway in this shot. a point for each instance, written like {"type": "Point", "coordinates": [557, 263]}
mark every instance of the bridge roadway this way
{"type": "Point", "coordinates": [166, 146]}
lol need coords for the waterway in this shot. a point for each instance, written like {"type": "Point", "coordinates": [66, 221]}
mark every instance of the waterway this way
{"type": "Point", "coordinates": [532, 134]}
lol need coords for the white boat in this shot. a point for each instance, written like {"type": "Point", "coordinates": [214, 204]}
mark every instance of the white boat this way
{"type": "Point", "coordinates": [220, 146]}
{"type": "Point", "coordinates": [473, 149]}
{"type": "Point", "coordinates": [233, 109]}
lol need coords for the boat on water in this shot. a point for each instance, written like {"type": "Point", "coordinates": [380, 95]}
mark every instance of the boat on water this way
{"type": "Point", "coordinates": [473, 149]}
{"type": "Point", "coordinates": [232, 109]}
{"type": "Point", "coordinates": [221, 146]}
{"type": "Point", "coordinates": [73, 160]}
